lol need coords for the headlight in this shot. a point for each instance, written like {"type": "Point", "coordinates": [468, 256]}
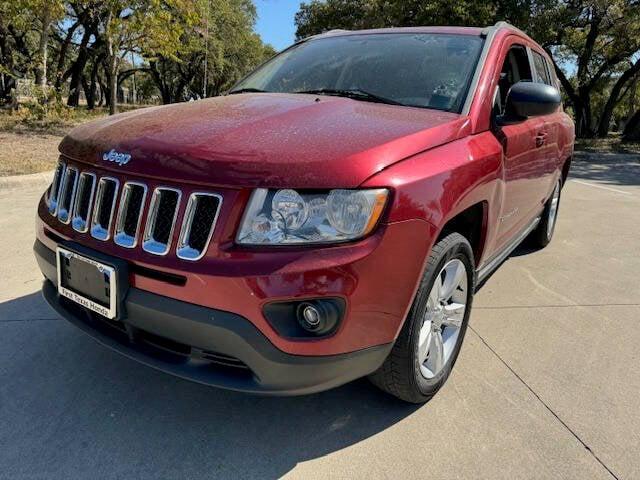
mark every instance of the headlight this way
{"type": "Point", "coordinates": [279, 217]}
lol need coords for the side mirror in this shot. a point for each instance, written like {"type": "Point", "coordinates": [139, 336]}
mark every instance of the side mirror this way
{"type": "Point", "coordinates": [527, 99]}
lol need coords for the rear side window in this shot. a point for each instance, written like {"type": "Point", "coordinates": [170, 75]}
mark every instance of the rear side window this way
{"type": "Point", "coordinates": [540, 65]}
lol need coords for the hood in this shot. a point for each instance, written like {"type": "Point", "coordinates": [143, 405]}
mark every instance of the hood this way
{"type": "Point", "coordinates": [267, 140]}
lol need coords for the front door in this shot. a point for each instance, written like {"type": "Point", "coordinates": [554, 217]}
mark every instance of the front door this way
{"type": "Point", "coordinates": [524, 149]}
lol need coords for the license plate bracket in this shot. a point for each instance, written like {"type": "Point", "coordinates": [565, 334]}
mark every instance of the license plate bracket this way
{"type": "Point", "coordinates": [91, 281]}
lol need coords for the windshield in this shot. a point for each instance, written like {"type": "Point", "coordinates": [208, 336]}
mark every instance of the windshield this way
{"type": "Point", "coordinates": [429, 70]}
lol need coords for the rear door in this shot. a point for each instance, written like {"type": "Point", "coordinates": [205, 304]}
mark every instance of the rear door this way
{"type": "Point", "coordinates": [523, 146]}
{"type": "Point", "coordinates": [551, 129]}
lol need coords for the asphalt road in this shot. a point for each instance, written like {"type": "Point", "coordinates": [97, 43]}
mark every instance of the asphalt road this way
{"type": "Point", "coordinates": [547, 384]}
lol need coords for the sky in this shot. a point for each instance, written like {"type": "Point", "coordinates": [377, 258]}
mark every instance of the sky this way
{"type": "Point", "coordinates": [275, 21]}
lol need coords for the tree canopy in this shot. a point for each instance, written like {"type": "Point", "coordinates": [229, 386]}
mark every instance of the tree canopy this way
{"type": "Point", "coordinates": [96, 46]}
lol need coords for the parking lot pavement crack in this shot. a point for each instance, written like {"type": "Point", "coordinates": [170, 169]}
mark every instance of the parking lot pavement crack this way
{"type": "Point", "coordinates": [546, 406]}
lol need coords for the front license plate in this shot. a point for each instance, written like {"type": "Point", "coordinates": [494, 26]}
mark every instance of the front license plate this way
{"type": "Point", "coordinates": [87, 282]}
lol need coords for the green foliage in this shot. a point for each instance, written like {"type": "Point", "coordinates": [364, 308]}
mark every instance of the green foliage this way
{"type": "Point", "coordinates": [90, 43]}
{"type": "Point", "coordinates": [225, 40]}
{"type": "Point", "coordinates": [318, 16]}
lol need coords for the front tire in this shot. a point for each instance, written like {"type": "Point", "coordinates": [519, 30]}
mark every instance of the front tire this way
{"type": "Point", "coordinates": [542, 235]}
{"type": "Point", "coordinates": [428, 344]}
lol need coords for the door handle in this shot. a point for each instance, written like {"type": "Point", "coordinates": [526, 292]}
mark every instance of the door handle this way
{"type": "Point", "coordinates": [541, 139]}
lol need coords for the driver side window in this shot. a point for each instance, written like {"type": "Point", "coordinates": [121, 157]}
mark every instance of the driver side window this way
{"type": "Point", "coordinates": [515, 69]}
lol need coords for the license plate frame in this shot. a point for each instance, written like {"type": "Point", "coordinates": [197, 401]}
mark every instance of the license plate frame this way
{"type": "Point", "coordinates": [109, 311]}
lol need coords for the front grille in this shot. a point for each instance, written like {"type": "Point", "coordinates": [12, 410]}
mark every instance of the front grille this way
{"type": "Point", "coordinates": [89, 203]}
{"type": "Point", "coordinates": [82, 204]}
{"type": "Point", "coordinates": [161, 220]}
{"type": "Point", "coordinates": [130, 214]}
{"type": "Point", "coordinates": [103, 210]}
{"type": "Point", "coordinates": [54, 189]}
{"type": "Point", "coordinates": [199, 221]}
{"type": "Point", "coordinates": [67, 194]}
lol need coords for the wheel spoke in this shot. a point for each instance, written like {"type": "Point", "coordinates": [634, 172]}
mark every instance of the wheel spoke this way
{"type": "Point", "coordinates": [436, 352]}
{"type": "Point", "coordinates": [434, 295]}
{"type": "Point", "coordinates": [453, 315]}
{"type": "Point", "coordinates": [424, 342]}
{"type": "Point", "coordinates": [454, 274]}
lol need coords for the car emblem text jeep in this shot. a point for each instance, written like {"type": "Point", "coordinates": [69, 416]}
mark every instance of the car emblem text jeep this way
{"type": "Point", "coordinates": [119, 158]}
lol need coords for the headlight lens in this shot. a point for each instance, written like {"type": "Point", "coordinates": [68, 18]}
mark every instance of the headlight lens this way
{"type": "Point", "coordinates": [280, 217]}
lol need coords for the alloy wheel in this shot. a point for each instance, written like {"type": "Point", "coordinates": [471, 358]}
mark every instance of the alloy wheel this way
{"type": "Point", "coordinates": [553, 210]}
{"type": "Point", "coordinates": [443, 318]}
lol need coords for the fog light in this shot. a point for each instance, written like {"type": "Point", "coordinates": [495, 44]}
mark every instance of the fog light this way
{"type": "Point", "coordinates": [317, 317]}
{"type": "Point", "coordinates": [310, 316]}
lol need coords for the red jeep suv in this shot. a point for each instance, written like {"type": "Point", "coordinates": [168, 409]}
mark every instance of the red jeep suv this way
{"type": "Point", "coordinates": [328, 219]}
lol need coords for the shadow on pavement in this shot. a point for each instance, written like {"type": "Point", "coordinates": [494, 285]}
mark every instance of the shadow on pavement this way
{"type": "Point", "coordinates": [30, 307]}
{"type": "Point", "coordinates": [611, 169]}
{"type": "Point", "coordinates": [71, 408]}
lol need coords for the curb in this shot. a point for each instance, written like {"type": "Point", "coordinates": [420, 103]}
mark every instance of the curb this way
{"type": "Point", "coordinates": [41, 179]}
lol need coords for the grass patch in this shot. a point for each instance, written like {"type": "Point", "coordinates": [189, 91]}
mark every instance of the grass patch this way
{"type": "Point", "coordinates": [23, 121]}
{"type": "Point", "coordinates": [30, 139]}
{"type": "Point", "coordinates": [612, 144]}
{"type": "Point", "coordinates": [27, 153]}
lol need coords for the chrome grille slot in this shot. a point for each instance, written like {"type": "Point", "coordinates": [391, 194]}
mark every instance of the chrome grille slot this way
{"type": "Point", "coordinates": [67, 194]}
{"type": "Point", "coordinates": [161, 220]}
{"type": "Point", "coordinates": [54, 189]}
{"type": "Point", "coordinates": [103, 209]}
{"type": "Point", "coordinates": [82, 204]}
{"type": "Point", "coordinates": [198, 225]}
{"type": "Point", "coordinates": [130, 214]}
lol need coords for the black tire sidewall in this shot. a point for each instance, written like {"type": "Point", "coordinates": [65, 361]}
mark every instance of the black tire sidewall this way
{"type": "Point", "coordinates": [539, 237]}
{"type": "Point", "coordinates": [549, 236]}
{"type": "Point", "coordinates": [459, 249]}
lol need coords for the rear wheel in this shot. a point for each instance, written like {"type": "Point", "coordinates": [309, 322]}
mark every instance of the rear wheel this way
{"type": "Point", "coordinates": [429, 342]}
{"type": "Point", "coordinates": [542, 235]}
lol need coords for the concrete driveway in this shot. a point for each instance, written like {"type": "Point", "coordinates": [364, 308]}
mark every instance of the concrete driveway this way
{"type": "Point", "coordinates": [547, 384]}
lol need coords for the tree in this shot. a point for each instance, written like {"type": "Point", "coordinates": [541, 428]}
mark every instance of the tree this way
{"type": "Point", "coordinates": [225, 36]}
{"type": "Point", "coordinates": [599, 37]}
{"type": "Point", "coordinates": [138, 26]}
{"type": "Point", "coordinates": [317, 16]}
{"type": "Point", "coordinates": [20, 15]}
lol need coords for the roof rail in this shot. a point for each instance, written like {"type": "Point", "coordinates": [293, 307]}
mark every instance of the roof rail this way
{"type": "Point", "coordinates": [507, 25]}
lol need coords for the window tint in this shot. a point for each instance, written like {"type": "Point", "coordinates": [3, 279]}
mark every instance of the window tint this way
{"type": "Point", "coordinates": [552, 74]}
{"type": "Point", "coordinates": [514, 69]}
{"type": "Point", "coordinates": [420, 70]}
{"type": "Point", "coordinates": [540, 65]}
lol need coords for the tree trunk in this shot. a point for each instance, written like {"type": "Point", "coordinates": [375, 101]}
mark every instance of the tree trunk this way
{"type": "Point", "coordinates": [112, 65]}
{"type": "Point", "coordinates": [41, 69]}
{"type": "Point", "coordinates": [632, 128]}
{"type": "Point", "coordinates": [78, 71]}
{"type": "Point", "coordinates": [91, 93]}
{"type": "Point", "coordinates": [157, 77]}
{"type": "Point", "coordinates": [113, 86]}
{"type": "Point", "coordinates": [62, 55]}
{"type": "Point", "coordinates": [103, 93]}
{"type": "Point", "coordinates": [614, 98]}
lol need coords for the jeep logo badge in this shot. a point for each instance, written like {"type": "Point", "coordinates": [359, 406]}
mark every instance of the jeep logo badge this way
{"type": "Point", "coordinates": [116, 157]}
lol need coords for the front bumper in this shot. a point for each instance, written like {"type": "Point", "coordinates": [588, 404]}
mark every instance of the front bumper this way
{"type": "Point", "coordinates": [206, 345]}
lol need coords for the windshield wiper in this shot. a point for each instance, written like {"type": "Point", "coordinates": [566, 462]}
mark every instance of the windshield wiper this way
{"type": "Point", "coordinates": [247, 90]}
{"type": "Point", "coordinates": [355, 94]}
